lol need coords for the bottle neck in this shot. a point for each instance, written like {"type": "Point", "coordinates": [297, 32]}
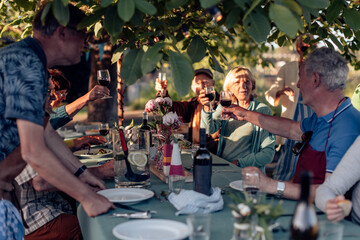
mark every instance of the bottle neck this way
{"type": "Point", "coordinates": [202, 142]}
{"type": "Point", "coordinates": [305, 189]}
{"type": "Point", "coordinates": [145, 118]}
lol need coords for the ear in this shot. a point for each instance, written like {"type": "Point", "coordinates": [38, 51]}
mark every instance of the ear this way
{"type": "Point", "coordinates": [60, 32]}
{"type": "Point", "coordinates": [316, 80]}
{"type": "Point", "coordinates": [253, 85]}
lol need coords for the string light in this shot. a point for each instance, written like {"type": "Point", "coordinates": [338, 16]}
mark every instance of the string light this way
{"type": "Point", "coordinates": [159, 38]}
{"type": "Point", "coordinates": [185, 30]}
{"type": "Point", "coordinates": [216, 13]}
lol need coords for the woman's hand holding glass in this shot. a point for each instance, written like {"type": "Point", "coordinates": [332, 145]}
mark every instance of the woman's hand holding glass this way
{"type": "Point", "coordinates": [103, 77]}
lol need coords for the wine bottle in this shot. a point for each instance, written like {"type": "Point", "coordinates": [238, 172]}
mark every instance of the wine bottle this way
{"type": "Point", "coordinates": [146, 127]}
{"type": "Point", "coordinates": [304, 224]}
{"type": "Point", "coordinates": [202, 167]}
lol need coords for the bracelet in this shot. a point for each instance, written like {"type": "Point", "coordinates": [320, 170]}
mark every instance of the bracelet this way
{"type": "Point", "coordinates": [80, 171]}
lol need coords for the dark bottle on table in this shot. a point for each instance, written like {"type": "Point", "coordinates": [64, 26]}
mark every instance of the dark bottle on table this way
{"type": "Point", "coordinates": [202, 167]}
{"type": "Point", "coordinates": [304, 224]}
{"type": "Point", "coordinates": [145, 126]}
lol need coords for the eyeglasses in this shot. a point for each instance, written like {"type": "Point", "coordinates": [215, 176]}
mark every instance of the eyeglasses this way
{"type": "Point", "coordinates": [299, 147]}
{"type": "Point", "coordinates": [61, 94]}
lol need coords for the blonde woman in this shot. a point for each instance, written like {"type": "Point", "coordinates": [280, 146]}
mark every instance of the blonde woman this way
{"type": "Point", "coordinates": [241, 142]}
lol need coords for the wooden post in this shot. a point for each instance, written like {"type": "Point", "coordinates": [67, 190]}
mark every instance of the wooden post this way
{"type": "Point", "coordinates": [120, 93]}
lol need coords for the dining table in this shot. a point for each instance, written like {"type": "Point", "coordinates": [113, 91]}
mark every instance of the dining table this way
{"type": "Point", "coordinates": [100, 227]}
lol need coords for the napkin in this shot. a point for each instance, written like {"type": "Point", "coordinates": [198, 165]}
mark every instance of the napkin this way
{"type": "Point", "coordinates": [190, 202]}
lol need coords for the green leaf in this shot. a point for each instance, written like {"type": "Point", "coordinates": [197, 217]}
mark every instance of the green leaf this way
{"type": "Point", "coordinates": [126, 9]}
{"type": "Point", "coordinates": [138, 18]}
{"type": "Point", "coordinates": [233, 17]}
{"type": "Point", "coordinates": [329, 44]}
{"type": "Point", "coordinates": [357, 35]}
{"type": "Point", "coordinates": [91, 19]}
{"type": "Point", "coordinates": [336, 41]}
{"type": "Point", "coordinates": [240, 3]}
{"type": "Point", "coordinates": [322, 32]}
{"type": "Point", "coordinates": [175, 4]}
{"type": "Point", "coordinates": [214, 62]}
{"type": "Point", "coordinates": [131, 66]}
{"type": "Point", "coordinates": [151, 57]}
{"type": "Point", "coordinates": [320, 4]}
{"type": "Point", "coordinates": [112, 23]}
{"type": "Point", "coordinates": [293, 5]}
{"type": "Point", "coordinates": [352, 17]}
{"type": "Point", "coordinates": [97, 29]}
{"type": "Point", "coordinates": [284, 19]}
{"type": "Point", "coordinates": [182, 71]}
{"type": "Point", "coordinates": [61, 12]}
{"type": "Point", "coordinates": [257, 26]}
{"type": "Point", "coordinates": [208, 3]}
{"type": "Point", "coordinates": [252, 7]}
{"type": "Point", "coordinates": [306, 15]}
{"type": "Point", "coordinates": [45, 12]}
{"type": "Point", "coordinates": [334, 10]}
{"type": "Point", "coordinates": [281, 40]}
{"type": "Point", "coordinates": [105, 3]}
{"type": "Point", "coordinates": [145, 7]}
{"type": "Point", "coordinates": [65, 2]}
{"type": "Point", "coordinates": [197, 49]}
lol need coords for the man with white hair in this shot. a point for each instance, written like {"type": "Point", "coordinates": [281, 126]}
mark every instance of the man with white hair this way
{"type": "Point", "coordinates": [326, 135]}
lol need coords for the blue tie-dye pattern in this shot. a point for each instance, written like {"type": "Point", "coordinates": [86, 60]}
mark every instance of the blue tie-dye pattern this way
{"type": "Point", "coordinates": [23, 89]}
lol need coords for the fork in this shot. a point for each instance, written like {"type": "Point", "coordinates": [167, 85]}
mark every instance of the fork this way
{"type": "Point", "coordinates": [143, 215]}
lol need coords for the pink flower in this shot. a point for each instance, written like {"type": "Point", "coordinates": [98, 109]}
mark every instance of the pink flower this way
{"type": "Point", "coordinates": [151, 106]}
{"type": "Point", "coordinates": [170, 119]}
{"type": "Point", "coordinates": [168, 101]}
{"type": "Point", "coordinates": [160, 100]}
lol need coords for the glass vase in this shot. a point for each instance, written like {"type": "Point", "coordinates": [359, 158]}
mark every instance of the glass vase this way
{"type": "Point", "coordinates": [241, 231]}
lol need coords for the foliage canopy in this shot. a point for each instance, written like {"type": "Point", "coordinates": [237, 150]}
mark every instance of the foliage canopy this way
{"type": "Point", "coordinates": [183, 32]}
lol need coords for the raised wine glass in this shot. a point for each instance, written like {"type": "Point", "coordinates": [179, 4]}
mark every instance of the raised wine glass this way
{"type": "Point", "coordinates": [225, 101]}
{"type": "Point", "coordinates": [162, 78]}
{"type": "Point", "coordinates": [210, 94]}
{"type": "Point", "coordinates": [103, 77]}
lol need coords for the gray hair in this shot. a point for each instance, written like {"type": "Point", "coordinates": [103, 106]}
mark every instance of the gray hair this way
{"type": "Point", "coordinates": [229, 79]}
{"type": "Point", "coordinates": [51, 24]}
{"type": "Point", "coordinates": [330, 65]}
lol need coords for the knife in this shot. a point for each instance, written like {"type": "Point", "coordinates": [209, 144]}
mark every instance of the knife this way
{"type": "Point", "coordinates": [123, 206]}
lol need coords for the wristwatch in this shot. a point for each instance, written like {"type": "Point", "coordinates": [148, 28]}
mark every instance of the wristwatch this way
{"type": "Point", "coordinates": [280, 187]}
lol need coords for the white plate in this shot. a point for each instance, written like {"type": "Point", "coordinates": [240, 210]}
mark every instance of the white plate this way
{"type": "Point", "coordinates": [159, 229]}
{"type": "Point", "coordinates": [237, 185]}
{"type": "Point", "coordinates": [93, 153]}
{"type": "Point", "coordinates": [94, 162]}
{"type": "Point", "coordinates": [126, 195]}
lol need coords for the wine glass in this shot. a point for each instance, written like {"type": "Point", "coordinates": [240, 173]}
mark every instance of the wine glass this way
{"type": "Point", "coordinates": [104, 130]}
{"type": "Point", "coordinates": [225, 101]}
{"type": "Point", "coordinates": [103, 77]}
{"type": "Point", "coordinates": [251, 183]}
{"type": "Point", "coordinates": [210, 94]}
{"type": "Point", "coordinates": [162, 78]}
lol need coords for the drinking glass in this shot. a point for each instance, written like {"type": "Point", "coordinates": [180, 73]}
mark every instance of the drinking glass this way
{"type": "Point", "coordinates": [162, 78]}
{"type": "Point", "coordinates": [103, 77]}
{"type": "Point", "coordinates": [225, 101]}
{"type": "Point", "coordinates": [251, 183]}
{"type": "Point", "coordinates": [104, 130]}
{"type": "Point", "coordinates": [210, 94]}
{"type": "Point", "coordinates": [199, 225]}
{"type": "Point", "coordinates": [330, 230]}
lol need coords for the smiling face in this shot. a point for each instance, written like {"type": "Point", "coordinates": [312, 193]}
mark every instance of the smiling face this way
{"type": "Point", "coordinates": [304, 84]}
{"type": "Point", "coordinates": [201, 81]}
{"type": "Point", "coordinates": [242, 85]}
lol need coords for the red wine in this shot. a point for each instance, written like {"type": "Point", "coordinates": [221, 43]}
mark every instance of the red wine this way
{"type": "Point", "coordinates": [210, 96]}
{"type": "Point", "coordinates": [104, 132]}
{"type": "Point", "coordinates": [202, 167]}
{"type": "Point", "coordinates": [225, 103]}
{"type": "Point", "coordinates": [304, 224]}
{"type": "Point", "coordinates": [104, 82]}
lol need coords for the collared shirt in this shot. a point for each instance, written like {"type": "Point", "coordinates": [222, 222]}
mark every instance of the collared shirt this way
{"type": "Point", "coordinates": [38, 208]}
{"type": "Point", "coordinates": [11, 226]}
{"type": "Point", "coordinates": [344, 130]}
{"type": "Point", "coordinates": [23, 87]}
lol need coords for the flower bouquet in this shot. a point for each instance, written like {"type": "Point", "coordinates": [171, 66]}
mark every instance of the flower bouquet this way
{"type": "Point", "coordinates": [165, 123]}
{"type": "Point", "coordinates": [248, 211]}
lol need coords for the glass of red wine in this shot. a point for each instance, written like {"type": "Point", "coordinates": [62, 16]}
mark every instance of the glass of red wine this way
{"type": "Point", "coordinates": [210, 94]}
{"type": "Point", "coordinates": [103, 77]}
{"type": "Point", "coordinates": [104, 130]}
{"type": "Point", "coordinates": [225, 101]}
{"type": "Point", "coordinates": [251, 183]}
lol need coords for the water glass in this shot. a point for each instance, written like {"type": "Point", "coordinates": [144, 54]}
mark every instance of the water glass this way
{"type": "Point", "coordinates": [330, 231]}
{"type": "Point", "coordinates": [199, 225]}
{"type": "Point", "coordinates": [176, 183]}
{"type": "Point", "coordinates": [251, 182]}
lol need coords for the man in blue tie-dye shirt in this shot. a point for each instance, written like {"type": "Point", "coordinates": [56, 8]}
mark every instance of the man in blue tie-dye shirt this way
{"type": "Point", "coordinates": [23, 88]}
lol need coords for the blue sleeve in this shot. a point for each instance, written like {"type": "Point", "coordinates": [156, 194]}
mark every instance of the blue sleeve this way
{"type": "Point", "coordinates": [25, 89]}
{"type": "Point", "coordinates": [59, 118]}
{"type": "Point", "coordinates": [308, 123]}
